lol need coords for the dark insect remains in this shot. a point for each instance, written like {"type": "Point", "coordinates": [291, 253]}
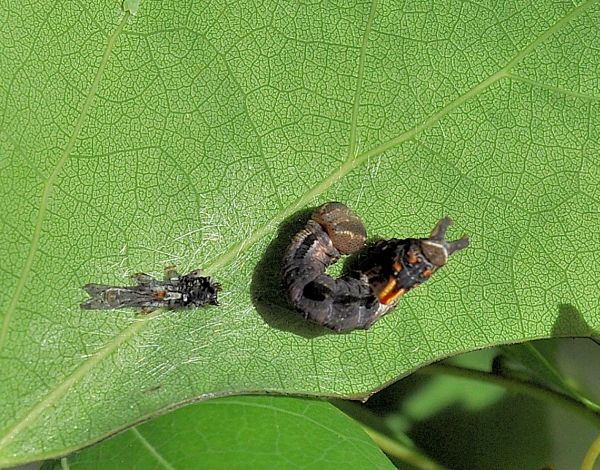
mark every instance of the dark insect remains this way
{"type": "Point", "coordinates": [176, 291]}
{"type": "Point", "coordinates": [388, 268]}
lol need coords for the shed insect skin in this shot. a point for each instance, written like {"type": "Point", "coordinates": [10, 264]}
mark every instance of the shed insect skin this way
{"type": "Point", "coordinates": [175, 292]}
{"type": "Point", "coordinates": [390, 268]}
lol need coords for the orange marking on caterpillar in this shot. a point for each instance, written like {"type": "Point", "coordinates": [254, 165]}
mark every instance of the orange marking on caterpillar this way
{"type": "Point", "coordinates": [411, 257]}
{"type": "Point", "coordinates": [390, 292]}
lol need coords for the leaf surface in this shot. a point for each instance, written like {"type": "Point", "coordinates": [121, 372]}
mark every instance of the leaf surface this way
{"type": "Point", "coordinates": [187, 134]}
{"type": "Point", "coordinates": [239, 432]}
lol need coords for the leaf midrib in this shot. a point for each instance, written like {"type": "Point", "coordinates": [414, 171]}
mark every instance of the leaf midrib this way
{"type": "Point", "coordinates": [238, 247]}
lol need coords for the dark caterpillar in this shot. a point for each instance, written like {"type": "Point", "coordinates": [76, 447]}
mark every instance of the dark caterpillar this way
{"type": "Point", "coordinates": [390, 268]}
{"type": "Point", "coordinates": [176, 291]}
{"type": "Point", "coordinates": [340, 304]}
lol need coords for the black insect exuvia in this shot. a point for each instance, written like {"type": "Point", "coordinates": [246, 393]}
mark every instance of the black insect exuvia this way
{"type": "Point", "coordinates": [176, 291]}
{"type": "Point", "coordinates": [388, 270]}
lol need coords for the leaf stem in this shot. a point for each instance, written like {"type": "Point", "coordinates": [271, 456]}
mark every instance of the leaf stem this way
{"type": "Point", "coordinates": [591, 455]}
{"type": "Point", "coordinates": [538, 356]}
{"type": "Point", "coordinates": [520, 386]}
{"type": "Point", "coordinates": [400, 451]}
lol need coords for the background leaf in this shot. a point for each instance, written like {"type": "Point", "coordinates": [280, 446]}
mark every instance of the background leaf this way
{"type": "Point", "coordinates": [188, 133]}
{"type": "Point", "coordinates": [467, 422]}
{"type": "Point", "coordinates": [240, 432]}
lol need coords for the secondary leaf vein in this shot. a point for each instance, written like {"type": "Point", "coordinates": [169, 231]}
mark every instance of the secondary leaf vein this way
{"type": "Point", "coordinates": [152, 450]}
{"type": "Point", "coordinates": [47, 192]}
{"type": "Point", "coordinates": [359, 80]}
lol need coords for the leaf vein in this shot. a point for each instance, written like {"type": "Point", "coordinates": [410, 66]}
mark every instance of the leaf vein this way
{"type": "Point", "coordinates": [49, 186]}
{"type": "Point", "coordinates": [359, 80]}
{"type": "Point", "coordinates": [350, 164]}
{"type": "Point", "coordinates": [556, 89]}
{"type": "Point", "coordinates": [72, 378]}
{"type": "Point", "coordinates": [152, 449]}
{"type": "Point", "coordinates": [234, 250]}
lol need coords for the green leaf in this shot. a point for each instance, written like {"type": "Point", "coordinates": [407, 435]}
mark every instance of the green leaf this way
{"type": "Point", "coordinates": [187, 134]}
{"type": "Point", "coordinates": [530, 362]}
{"type": "Point", "coordinates": [240, 432]}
